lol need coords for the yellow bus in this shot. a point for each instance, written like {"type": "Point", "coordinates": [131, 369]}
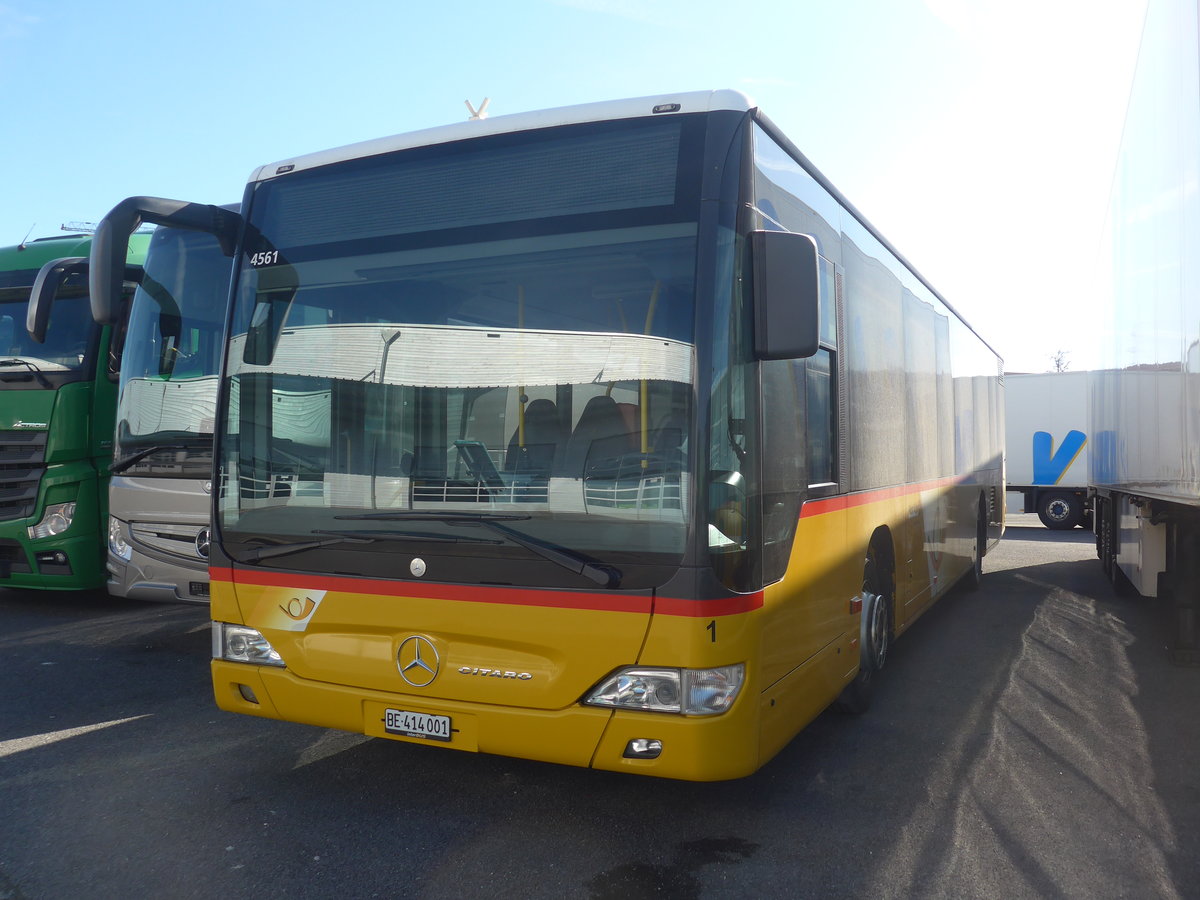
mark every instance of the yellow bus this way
{"type": "Point", "coordinates": [610, 436]}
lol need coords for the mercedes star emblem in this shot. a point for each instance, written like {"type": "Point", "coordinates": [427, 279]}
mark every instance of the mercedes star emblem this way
{"type": "Point", "coordinates": [418, 661]}
{"type": "Point", "coordinates": [203, 543]}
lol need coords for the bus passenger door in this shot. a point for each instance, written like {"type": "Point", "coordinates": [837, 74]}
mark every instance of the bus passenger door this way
{"type": "Point", "coordinates": [809, 579]}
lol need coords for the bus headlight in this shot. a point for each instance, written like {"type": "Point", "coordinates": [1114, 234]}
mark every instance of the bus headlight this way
{"type": "Point", "coordinates": [237, 643]}
{"type": "Point", "coordinates": [55, 520]}
{"type": "Point", "coordinates": [692, 692]}
{"type": "Point", "coordinates": [117, 544]}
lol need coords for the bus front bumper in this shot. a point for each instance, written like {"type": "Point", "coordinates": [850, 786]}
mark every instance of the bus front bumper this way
{"type": "Point", "coordinates": [157, 580]}
{"type": "Point", "coordinates": [693, 748]}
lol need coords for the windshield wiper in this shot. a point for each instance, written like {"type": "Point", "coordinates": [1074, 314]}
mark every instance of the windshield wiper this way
{"type": "Point", "coordinates": [133, 458]}
{"type": "Point", "coordinates": [268, 551]}
{"type": "Point", "coordinates": [605, 576]}
{"type": "Point", "coordinates": [406, 535]}
{"type": "Point", "coordinates": [32, 367]}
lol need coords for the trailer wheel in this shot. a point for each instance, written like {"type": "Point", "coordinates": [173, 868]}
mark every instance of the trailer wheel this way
{"type": "Point", "coordinates": [875, 636]}
{"type": "Point", "coordinates": [1060, 510]}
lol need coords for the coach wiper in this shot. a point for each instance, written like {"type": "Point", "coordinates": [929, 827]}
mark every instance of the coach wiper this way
{"type": "Point", "coordinates": [134, 458]}
{"type": "Point", "coordinates": [605, 576]}
{"type": "Point", "coordinates": [267, 551]}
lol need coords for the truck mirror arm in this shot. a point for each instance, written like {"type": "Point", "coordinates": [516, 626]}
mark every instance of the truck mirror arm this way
{"type": "Point", "coordinates": [110, 242]}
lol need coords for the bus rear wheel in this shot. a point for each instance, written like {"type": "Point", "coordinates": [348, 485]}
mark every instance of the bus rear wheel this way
{"type": "Point", "coordinates": [875, 633]}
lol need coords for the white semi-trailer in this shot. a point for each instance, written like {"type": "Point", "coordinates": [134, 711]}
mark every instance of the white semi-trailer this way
{"type": "Point", "coordinates": [1046, 445]}
{"type": "Point", "coordinates": [1145, 424]}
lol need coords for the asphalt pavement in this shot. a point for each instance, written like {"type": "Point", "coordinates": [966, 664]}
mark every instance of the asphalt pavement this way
{"type": "Point", "coordinates": [1029, 739]}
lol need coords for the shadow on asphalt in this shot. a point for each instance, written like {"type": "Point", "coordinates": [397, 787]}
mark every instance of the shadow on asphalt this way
{"type": "Point", "coordinates": [1029, 738]}
{"type": "Point", "coordinates": [1042, 535]}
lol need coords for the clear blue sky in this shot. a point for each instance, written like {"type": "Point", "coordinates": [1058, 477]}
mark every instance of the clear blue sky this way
{"type": "Point", "coordinates": [978, 135]}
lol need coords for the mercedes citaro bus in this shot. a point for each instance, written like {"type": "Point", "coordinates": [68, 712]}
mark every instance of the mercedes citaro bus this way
{"type": "Point", "coordinates": [609, 435]}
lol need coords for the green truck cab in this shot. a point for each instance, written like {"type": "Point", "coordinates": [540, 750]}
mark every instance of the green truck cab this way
{"type": "Point", "coordinates": [57, 407]}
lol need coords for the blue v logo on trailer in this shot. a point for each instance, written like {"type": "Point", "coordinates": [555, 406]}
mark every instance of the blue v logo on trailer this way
{"type": "Point", "coordinates": [1049, 468]}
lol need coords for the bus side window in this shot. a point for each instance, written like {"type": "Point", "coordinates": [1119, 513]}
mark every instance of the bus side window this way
{"type": "Point", "coordinates": [821, 387]}
{"type": "Point", "coordinates": [783, 461]}
{"type": "Point", "coordinates": [820, 424]}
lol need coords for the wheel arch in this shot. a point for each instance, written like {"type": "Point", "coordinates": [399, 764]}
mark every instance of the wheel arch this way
{"type": "Point", "coordinates": [885, 546]}
{"type": "Point", "coordinates": [879, 562]}
{"type": "Point", "coordinates": [882, 546]}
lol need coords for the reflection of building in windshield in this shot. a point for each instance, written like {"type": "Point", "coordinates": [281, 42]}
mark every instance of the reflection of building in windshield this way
{"type": "Point", "coordinates": [157, 405]}
{"type": "Point", "coordinates": [577, 420]}
{"type": "Point", "coordinates": [448, 357]}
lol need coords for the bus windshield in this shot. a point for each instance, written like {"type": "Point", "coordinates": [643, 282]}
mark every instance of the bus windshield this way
{"type": "Point", "coordinates": [67, 335]}
{"type": "Point", "coordinates": [169, 367]}
{"type": "Point", "coordinates": [496, 331]}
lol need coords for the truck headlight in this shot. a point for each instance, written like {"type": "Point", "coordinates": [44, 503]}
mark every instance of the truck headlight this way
{"type": "Point", "coordinates": [692, 692]}
{"type": "Point", "coordinates": [237, 643]}
{"type": "Point", "coordinates": [55, 520]}
{"type": "Point", "coordinates": [117, 545]}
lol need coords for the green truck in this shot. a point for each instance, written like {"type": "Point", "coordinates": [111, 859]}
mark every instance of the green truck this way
{"type": "Point", "coordinates": [57, 407]}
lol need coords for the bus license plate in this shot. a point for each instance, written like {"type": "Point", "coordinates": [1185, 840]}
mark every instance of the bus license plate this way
{"type": "Point", "coordinates": [415, 724]}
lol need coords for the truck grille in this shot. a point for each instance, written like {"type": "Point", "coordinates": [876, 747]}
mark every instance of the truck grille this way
{"type": "Point", "coordinates": [22, 458]}
{"type": "Point", "coordinates": [173, 539]}
{"type": "Point", "coordinates": [12, 558]}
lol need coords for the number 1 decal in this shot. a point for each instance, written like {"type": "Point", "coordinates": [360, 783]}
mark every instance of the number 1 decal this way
{"type": "Point", "coordinates": [711, 627]}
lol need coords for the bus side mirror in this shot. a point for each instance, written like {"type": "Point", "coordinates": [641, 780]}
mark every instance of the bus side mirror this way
{"type": "Point", "coordinates": [45, 289]}
{"type": "Point", "coordinates": [786, 295]}
{"type": "Point", "coordinates": [110, 243]}
{"type": "Point", "coordinates": [266, 328]}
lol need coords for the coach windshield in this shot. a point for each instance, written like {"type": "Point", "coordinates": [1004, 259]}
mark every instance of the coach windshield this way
{"type": "Point", "coordinates": [168, 396]}
{"type": "Point", "coordinates": [480, 352]}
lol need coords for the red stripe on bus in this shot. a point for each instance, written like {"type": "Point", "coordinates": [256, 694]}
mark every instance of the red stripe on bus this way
{"type": "Point", "coordinates": [707, 609]}
{"type": "Point", "coordinates": [640, 603]}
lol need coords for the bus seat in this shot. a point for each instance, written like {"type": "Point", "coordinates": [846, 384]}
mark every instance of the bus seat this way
{"type": "Point", "coordinates": [543, 438]}
{"type": "Point", "coordinates": [599, 433]}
